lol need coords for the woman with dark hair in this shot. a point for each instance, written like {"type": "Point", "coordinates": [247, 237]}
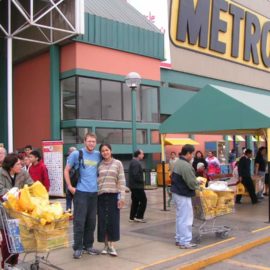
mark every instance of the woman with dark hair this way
{"type": "Point", "coordinates": [111, 198]}
{"type": "Point", "coordinates": [11, 175]}
{"type": "Point", "coordinates": [198, 158]}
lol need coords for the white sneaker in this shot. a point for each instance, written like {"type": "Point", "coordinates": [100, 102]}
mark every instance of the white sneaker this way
{"type": "Point", "coordinates": [112, 251]}
{"type": "Point", "coordinates": [188, 246]}
{"type": "Point", "coordinates": [104, 251]}
{"type": "Point", "coordinates": [141, 220]}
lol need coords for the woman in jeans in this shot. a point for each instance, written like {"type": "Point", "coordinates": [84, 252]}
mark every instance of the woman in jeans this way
{"type": "Point", "coordinates": [111, 197]}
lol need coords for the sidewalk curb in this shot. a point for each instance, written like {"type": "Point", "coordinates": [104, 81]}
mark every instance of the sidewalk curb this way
{"type": "Point", "coordinates": [206, 261]}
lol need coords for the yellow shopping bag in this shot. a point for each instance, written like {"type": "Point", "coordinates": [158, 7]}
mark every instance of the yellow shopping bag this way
{"type": "Point", "coordinates": [240, 189]}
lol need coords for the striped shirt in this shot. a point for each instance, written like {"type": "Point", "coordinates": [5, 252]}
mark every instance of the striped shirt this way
{"type": "Point", "coordinates": [111, 178]}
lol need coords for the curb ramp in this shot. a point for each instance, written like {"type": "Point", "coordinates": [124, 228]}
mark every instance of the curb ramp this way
{"type": "Point", "coordinates": [204, 256]}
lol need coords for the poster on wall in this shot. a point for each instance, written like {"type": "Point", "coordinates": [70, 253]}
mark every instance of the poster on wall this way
{"type": "Point", "coordinates": [53, 159]}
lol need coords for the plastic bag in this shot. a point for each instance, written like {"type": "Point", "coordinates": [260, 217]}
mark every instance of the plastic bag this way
{"type": "Point", "coordinates": [38, 190]}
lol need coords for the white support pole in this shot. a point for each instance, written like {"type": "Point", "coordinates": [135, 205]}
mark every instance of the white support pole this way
{"type": "Point", "coordinates": [9, 94]}
{"type": "Point", "coordinates": [9, 83]}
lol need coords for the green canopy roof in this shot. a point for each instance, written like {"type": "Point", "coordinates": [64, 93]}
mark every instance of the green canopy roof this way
{"type": "Point", "coordinates": [221, 110]}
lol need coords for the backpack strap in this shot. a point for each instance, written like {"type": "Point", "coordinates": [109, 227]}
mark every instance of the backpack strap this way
{"type": "Point", "coordinates": [81, 161]}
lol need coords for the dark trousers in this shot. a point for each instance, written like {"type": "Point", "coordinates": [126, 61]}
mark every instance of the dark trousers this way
{"type": "Point", "coordinates": [6, 257]}
{"type": "Point", "coordinates": [84, 223]}
{"type": "Point", "coordinates": [248, 184]}
{"type": "Point", "coordinates": [138, 204]}
{"type": "Point", "coordinates": [108, 218]}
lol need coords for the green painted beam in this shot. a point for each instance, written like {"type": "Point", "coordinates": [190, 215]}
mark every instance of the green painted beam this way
{"type": "Point", "coordinates": [102, 75]}
{"type": "Point", "coordinates": [3, 94]}
{"type": "Point", "coordinates": [55, 92]}
{"type": "Point", "coordinates": [106, 124]}
{"type": "Point", "coordinates": [187, 79]}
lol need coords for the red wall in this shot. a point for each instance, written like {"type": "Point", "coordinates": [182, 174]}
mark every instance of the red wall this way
{"type": "Point", "coordinates": [100, 59]}
{"type": "Point", "coordinates": [32, 102]}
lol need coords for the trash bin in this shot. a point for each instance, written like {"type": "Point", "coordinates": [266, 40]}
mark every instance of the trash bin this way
{"type": "Point", "coordinates": [160, 174]}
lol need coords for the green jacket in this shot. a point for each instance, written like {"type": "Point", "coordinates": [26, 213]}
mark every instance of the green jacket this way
{"type": "Point", "coordinates": [22, 178]}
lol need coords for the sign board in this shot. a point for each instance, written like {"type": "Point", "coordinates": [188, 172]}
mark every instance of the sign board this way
{"type": "Point", "coordinates": [223, 29]}
{"type": "Point", "coordinates": [53, 159]}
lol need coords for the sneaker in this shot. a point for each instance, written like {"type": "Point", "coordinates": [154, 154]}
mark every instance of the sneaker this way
{"type": "Point", "coordinates": [104, 251]}
{"type": "Point", "coordinates": [188, 246]}
{"type": "Point", "coordinates": [77, 254]}
{"type": "Point", "coordinates": [141, 220]}
{"type": "Point", "coordinates": [112, 251]}
{"type": "Point", "coordinates": [92, 251]}
{"type": "Point", "coordinates": [131, 220]}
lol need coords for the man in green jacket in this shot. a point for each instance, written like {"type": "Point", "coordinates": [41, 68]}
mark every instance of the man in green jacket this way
{"type": "Point", "coordinates": [184, 184]}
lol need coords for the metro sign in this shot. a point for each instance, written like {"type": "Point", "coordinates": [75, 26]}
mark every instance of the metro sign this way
{"type": "Point", "coordinates": [223, 29]}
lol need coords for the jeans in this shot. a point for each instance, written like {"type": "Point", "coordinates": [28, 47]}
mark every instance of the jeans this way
{"type": "Point", "coordinates": [138, 205]}
{"type": "Point", "coordinates": [184, 219]}
{"type": "Point", "coordinates": [84, 223]}
{"type": "Point", "coordinates": [6, 256]}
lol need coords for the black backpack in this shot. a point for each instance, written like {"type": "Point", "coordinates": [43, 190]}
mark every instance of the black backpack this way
{"type": "Point", "coordinates": [74, 174]}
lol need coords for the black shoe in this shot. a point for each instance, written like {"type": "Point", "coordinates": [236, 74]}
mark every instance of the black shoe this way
{"type": "Point", "coordinates": [256, 202]}
{"type": "Point", "coordinates": [77, 254]}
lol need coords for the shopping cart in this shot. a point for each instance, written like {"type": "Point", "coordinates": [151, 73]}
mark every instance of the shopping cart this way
{"type": "Point", "coordinates": [203, 212]}
{"type": "Point", "coordinates": [26, 235]}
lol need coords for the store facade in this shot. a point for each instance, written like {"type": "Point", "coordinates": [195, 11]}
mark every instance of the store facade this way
{"type": "Point", "coordinates": [69, 89]}
{"type": "Point", "coordinates": [79, 86]}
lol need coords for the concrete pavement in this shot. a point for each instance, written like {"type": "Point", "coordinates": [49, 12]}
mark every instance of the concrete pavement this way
{"type": "Point", "coordinates": [151, 245]}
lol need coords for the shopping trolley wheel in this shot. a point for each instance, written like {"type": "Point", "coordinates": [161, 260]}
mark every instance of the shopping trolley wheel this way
{"type": "Point", "coordinates": [34, 266]}
{"type": "Point", "coordinates": [222, 235]}
{"type": "Point", "coordinates": [197, 239]}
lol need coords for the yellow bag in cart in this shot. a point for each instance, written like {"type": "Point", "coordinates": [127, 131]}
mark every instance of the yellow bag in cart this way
{"type": "Point", "coordinates": [38, 190]}
{"type": "Point", "coordinates": [240, 189]}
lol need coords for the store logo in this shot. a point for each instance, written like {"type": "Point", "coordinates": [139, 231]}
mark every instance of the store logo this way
{"type": "Point", "coordinates": [222, 29]}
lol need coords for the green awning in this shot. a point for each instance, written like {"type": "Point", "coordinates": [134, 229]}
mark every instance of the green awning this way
{"type": "Point", "coordinates": [221, 110]}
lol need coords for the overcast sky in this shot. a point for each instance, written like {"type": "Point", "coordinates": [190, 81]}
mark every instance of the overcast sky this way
{"type": "Point", "coordinates": [158, 9]}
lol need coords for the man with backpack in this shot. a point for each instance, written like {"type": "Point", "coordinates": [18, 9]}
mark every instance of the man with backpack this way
{"type": "Point", "coordinates": [85, 196]}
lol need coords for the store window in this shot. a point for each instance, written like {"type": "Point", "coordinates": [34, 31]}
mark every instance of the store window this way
{"type": "Point", "coordinates": [81, 132]}
{"type": "Point", "coordinates": [127, 103]}
{"type": "Point", "coordinates": [141, 135]}
{"type": "Point", "coordinates": [109, 135]}
{"type": "Point", "coordinates": [74, 135]}
{"type": "Point", "coordinates": [149, 98]}
{"type": "Point", "coordinates": [89, 99]}
{"type": "Point", "coordinates": [111, 100]}
{"type": "Point", "coordinates": [68, 90]}
{"type": "Point", "coordinates": [69, 135]}
{"type": "Point", "coordinates": [95, 99]}
{"type": "Point", "coordinates": [155, 137]}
